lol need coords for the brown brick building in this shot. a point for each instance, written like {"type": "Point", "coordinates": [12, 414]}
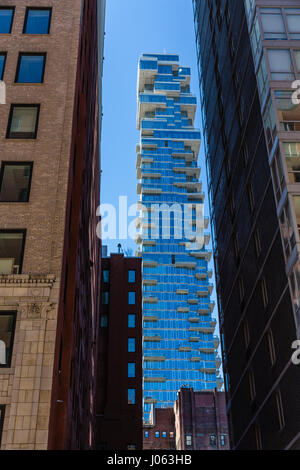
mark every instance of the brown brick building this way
{"type": "Point", "coordinates": [49, 192]}
{"type": "Point", "coordinates": [119, 393]}
{"type": "Point", "coordinates": [197, 422]}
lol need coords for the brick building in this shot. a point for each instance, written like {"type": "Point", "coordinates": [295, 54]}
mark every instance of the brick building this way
{"type": "Point", "coordinates": [198, 421]}
{"type": "Point", "coordinates": [201, 420]}
{"type": "Point", "coordinates": [119, 394]}
{"type": "Point", "coordinates": [161, 433]}
{"type": "Point", "coordinates": [49, 192]}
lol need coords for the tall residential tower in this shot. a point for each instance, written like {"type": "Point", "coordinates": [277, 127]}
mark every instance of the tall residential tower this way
{"type": "Point", "coordinates": [179, 346]}
{"type": "Point", "coordinates": [249, 61]}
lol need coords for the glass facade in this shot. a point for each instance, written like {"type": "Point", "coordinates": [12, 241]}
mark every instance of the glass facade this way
{"type": "Point", "coordinates": [178, 326]}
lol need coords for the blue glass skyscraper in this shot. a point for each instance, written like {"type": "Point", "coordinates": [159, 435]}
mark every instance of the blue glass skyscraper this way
{"type": "Point", "coordinates": [179, 345]}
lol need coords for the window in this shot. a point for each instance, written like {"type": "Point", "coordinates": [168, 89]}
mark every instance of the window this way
{"type": "Point", "coordinates": [147, 434]}
{"type": "Point", "coordinates": [15, 181]}
{"type": "Point", "coordinates": [280, 62]}
{"type": "Point", "coordinates": [131, 396]}
{"type": "Point", "coordinates": [246, 333]}
{"type": "Point", "coordinates": [7, 331]}
{"type": "Point", "coordinates": [131, 344]}
{"type": "Point", "coordinates": [131, 320]}
{"type": "Point", "coordinates": [264, 293]}
{"type": "Point", "coordinates": [250, 196]}
{"type": "Point", "coordinates": [131, 298]}
{"type": "Point", "coordinates": [103, 321]}
{"type": "Point", "coordinates": [292, 158]}
{"type": "Point", "coordinates": [280, 410]}
{"type": "Point", "coordinates": [271, 347]}
{"type": "Point", "coordinates": [258, 437]}
{"type": "Point", "coordinates": [257, 243]}
{"type": "Point", "coordinates": [23, 121]}
{"type": "Point", "coordinates": [131, 276]}
{"type": "Point", "coordinates": [105, 275]}
{"type": "Point", "coordinates": [223, 440]}
{"type": "Point", "coordinates": [131, 447]}
{"type": "Point", "coordinates": [252, 385]}
{"type": "Point", "coordinates": [30, 68]}
{"type": "Point", "coordinates": [2, 64]}
{"type": "Point", "coordinates": [288, 112]}
{"type": "Point", "coordinates": [2, 413]}
{"type": "Point", "coordinates": [131, 369]}
{"type": "Point", "coordinates": [273, 24]}
{"type": "Point", "coordinates": [212, 440]}
{"type": "Point", "coordinates": [293, 22]}
{"type": "Point", "coordinates": [296, 204]}
{"type": "Point", "coordinates": [171, 434]}
{"type": "Point", "coordinates": [11, 251]}
{"type": "Point", "coordinates": [189, 440]}
{"type": "Point", "coordinates": [37, 21]}
{"type": "Point", "coordinates": [157, 434]}
{"type": "Point", "coordinates": [164, 434]}
{"type": "Point", "coordinates": [105, 298]}
{"type": "Point", "coordinates": [6, 20]}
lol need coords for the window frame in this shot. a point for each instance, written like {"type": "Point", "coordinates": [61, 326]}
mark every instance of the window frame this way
{"type": "Point", "coordinates": [22, 135]}
{"type": "Point", "coordinates": [37, 9]}
{"type": "Point", "coordinates": [19, 163]}
{"type": "Point", "coordinates": [129, 272]}
{"type": "Point", "coordinates": [13, 313]}
{"type": "Point", "coordinates": [13, 8]}
{"type": "Point", "coordinates": [134, 403]}
{"type": "Point", "coordinates": [24, 232]}
{"type": "Point", "coordinates": [3, 53]}
{"type": "Point", "coordinates": [31, 54]}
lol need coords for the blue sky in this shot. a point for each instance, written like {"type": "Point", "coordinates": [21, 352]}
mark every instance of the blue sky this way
{"type": "Point", "coordinates": [134, 27]}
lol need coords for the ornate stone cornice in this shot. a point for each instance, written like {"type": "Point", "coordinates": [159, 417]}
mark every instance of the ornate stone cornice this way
{"type": "Point", "coordinates": [27, 280]}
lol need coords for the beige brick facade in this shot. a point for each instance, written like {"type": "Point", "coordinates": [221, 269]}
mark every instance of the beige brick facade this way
{"type": "Point", "coordinates": [25, 387]}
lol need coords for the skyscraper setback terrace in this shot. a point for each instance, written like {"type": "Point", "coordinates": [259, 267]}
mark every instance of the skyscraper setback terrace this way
{"type": "Point", "coordinates": [178, 326]}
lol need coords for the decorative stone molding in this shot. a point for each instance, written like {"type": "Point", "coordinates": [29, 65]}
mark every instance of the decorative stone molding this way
{"type": "Point", "coordinates": [27, 280]}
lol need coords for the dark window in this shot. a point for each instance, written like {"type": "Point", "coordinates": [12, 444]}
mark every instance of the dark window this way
{"type": "Point", "coordinates": [252, 385]}
{"type": "Point", "coordinates": [105, 275]}
{"type": "Point", "coordinates": [2, 64]}
{"type": "Point", "coordinates": [6, 20]}
{"type": "Point", "coordinates": [131, 396]}
{"type": "Point", "coordinates": [7, 331]}
{"type": "Point", "coordinates": [11, 251]}
{"type": "Point", "coordinates": [15, 181]}
{"type": "Point", "coordinates": [105, 298]}
{"type": "Point", "coordinates": [37, 21]}
{"type": "Point", "coordinates": [103, 321]}
{"type": "Point", "coordinates": [131, 320]}
{"type": "Point", "coordinates": [2, 413]}
{"type": "Point", "coordinates": [271, 347]}
{"type": "Point", "coordinates": [131, 276]}
{"type": "Point", "coordinates": [257, 243]}
{"type": "Point", "coordinates": [23, 121]}
{"type": "Point", "coordinates": [264, 292]}
{"type": "Point", "coordinates": [280, 410]}
{"type": "Point", "coordinates": [258, 437]}
{"type": "Point", "coordinates": [30, 68]}
{"type": "Point", "coordinates": [223, 440]}
{"type": "Point", "coordinates": [131, 344]}
{"type": "Point", "coordinates": [131, 369]}
{"type": "Point", "coordinates": [131, 298]}
{"type": "Point", "coordinates": [246, 333]}
{"type": "Point", "coordinates": [212, 440]}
